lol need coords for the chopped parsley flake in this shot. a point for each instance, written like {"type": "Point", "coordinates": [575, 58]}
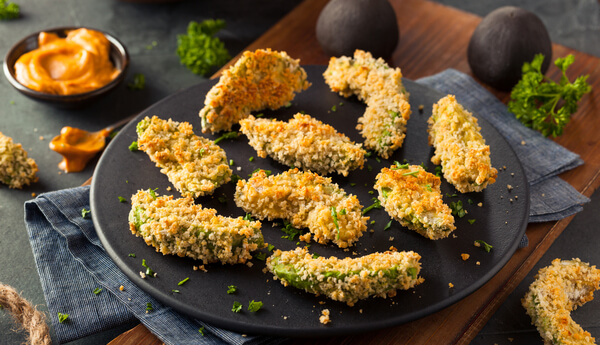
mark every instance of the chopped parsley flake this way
{"type": "Point", "coordinates": [254, 306]}
{"type": "Point", "coordinates": [175, 291]}
{"type": "Point", "coordinates": [139, 82]}
{"type": "Point", "coordinates": [457, 209]}
{"type": "Point", "coordinates": [251, 158]}
{"type": "Point", "coordinates": [388, 225]}
{"type": "Point", "coordinates": [231, 289]}
{"type": "Point", "coordinates": [270, 247]}
{"type": "Point", "coordinates": [201, 330]}
{"type": "Point", "coordinates": [131, 255]}
{"type": "Point", "coordinates": [237, 307]}
{"type": "Point", "coordinates": [183, 281]}
{"type": "Point", "coordinates": [149, 307]}
{"type": "Point", "coordinates": [260, 256]}
{"type": "Point", "coordinates": [62, 317]}
{"type": "Point", "coordinates": [153, 192]}
{"type": "Point", "coordinates": [428, 186]}
{"type": "Point", "coordinates": [149, 271]}
{"type": "Point", "coordinates": [134, 146]}
{"type": "Point", "coordinates": [97, 291]}
{"type": "Point", "coordinates": [290, 231]}
{"type": "Point", "coordinates": [122, 199]}
{"type": "Point", "coordinates": [84, 213]}
{"type": "Point", "coordinates": [231, 162]}
{"type": "Point", "coordinates": [248, 217]}
{"type": "Point", "coordinates": [438, 171]}
{"type": "Point", "coordinates": [486, 246]}
{"type": "Point", "coordinates": [471, 221]}
{"type": "Point", "coordinates": [315, 255]}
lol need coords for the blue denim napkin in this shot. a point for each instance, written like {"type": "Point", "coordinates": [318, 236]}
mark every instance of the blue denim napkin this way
{"type": "Point", "coordinates": [72, 263]}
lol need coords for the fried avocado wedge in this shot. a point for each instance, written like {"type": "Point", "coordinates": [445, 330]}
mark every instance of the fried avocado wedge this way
{"type": "Point", "coordinates": [412, 196]}
{"type": "Point", "coordinates": [459, 147]}
{"type": "Point", "coordinates": [195, 165]}
{"type": "Point", "coordinates": [180, 227]}
{"type": "Point", "coordinates": [16, 169]}
{"type": "Point", "coordinates": [347, 280]}
{"type": "Point", "coordinates": [557, 290]}
{"type": "Point", "coordinates": [263, 79]}
{"type": "Point", "coordinates": [304, 142]}
{"type": "Point", "coordinates": [306, 200]}
{"type": "Point", "coordinates": [383, 124]}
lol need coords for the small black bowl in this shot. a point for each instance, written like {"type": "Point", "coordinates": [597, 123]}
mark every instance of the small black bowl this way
{"type": "Point", "coordinates": [118, 56]}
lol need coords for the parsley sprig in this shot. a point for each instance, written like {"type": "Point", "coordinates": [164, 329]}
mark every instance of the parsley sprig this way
{"type": "Point", "coordinates": [199, 50]}
{"type": "Point", "coordinates": [9, 10]}
{"type": "Point", "coordinates": [535, 99]}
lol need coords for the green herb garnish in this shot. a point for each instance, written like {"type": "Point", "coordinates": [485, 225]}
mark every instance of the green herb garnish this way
{"type": "Point", "coordinates": [260, 256]}
{"type": "Point", "coordinates": [457, 209]}
{"type": "Point", "coordinates": [201, 330]}
{"type": "Point", "coordinates": [228, 135]}
{"type": "Point", "coordinates": [376, 204]}
{"type": "Point", "coordinates": [471, 221]}
{"type": "Point", "coordinates": [84, 213]}
{"type": "Point", "coordinates": [149, 307]}
{"type": "Point", "coordinates": [199, 50]}
{"type": "Point", "coordinates": [388, 225]}
{"type": "Point", "coordinates": [62, 317]}
{"type": "Point", "coordinates": [139, 82]}
{"type": "Point", "coordinates": [97, 291]}
{"type": "Point", "coordinates": [183, 281]}
{"type": "Point", "coordinates": [290, 231]}
{"type": "Point", "coordinates": [149, 271]}
{"type": "Point", "coordinates": [122, 199]}
{"type": "Point", "coordinates": [134, 146]}
{"type": "Point", "coordinates": [131, 255]}
{"type": "Point", "coordinates": [535, 98]}
{"type": "Point", "coordinates": [231, 289]}
{"type": "Point", "coordinates": [9, 10]}
{"type": "Point", "coordinates": [175, 291]}
{"type": "Point", "coordinates": [254, 306]}
{"type": "Point", "coordinates": [486, 246]}
{"type": "Point", "coordinates": [237, 307]}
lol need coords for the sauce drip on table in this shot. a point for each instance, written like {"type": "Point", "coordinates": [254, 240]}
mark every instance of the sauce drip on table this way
{"type": "Point", "coordinates": [78, 146]}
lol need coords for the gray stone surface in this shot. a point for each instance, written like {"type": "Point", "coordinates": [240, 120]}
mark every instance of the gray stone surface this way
{"type": "Point", "coordinates": [572, 23]}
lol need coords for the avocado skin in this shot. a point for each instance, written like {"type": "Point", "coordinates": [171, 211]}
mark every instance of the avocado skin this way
{"type": "Point", "coordinates": [504, 40]}
{"type": "Point", "coordinates": [346, 25]}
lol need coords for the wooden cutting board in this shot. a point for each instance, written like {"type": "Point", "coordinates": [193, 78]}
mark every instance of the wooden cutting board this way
{"type": "Point", "coordinates": [434, 37]}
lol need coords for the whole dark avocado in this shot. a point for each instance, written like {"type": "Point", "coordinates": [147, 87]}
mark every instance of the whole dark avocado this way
{"type": "Point", "coordinates": [346, 25]}
{"type": "Point", "coordinates": [505, 39]}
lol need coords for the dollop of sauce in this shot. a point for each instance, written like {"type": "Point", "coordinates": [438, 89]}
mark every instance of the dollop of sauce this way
{"type": "Point", "coordinates": [77, 147]}
{"type": "Point", "coordinates": [65, 66]}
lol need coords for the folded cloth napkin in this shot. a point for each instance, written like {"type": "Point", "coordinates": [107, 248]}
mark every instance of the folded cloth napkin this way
{"type": "Point", "coordinates": [72, 263]}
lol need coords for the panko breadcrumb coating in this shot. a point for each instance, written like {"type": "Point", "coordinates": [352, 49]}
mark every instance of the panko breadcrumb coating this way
{"type": "Point", "coordinates": [412, 196]}
{"type": "Point", "coordinates": [557, 290]}
{"type": "Point", "coordinates": [16, 169]}
{"type": "Point", "coordinates": [179, 227]}
{"type": "Point", "coordinates": [347, 280]}
{"type": "Point", "coordinates": [304, 142]}
{"type": "Point", "coordinates": [258, 80]}
{"type": "Point", "coordinates": [195, 165]}
{"type": "Point", "coordinates": [306, 200]}
{"type": "Point", "coordinates": [383, 124]}
{"type": "Point", "coordinates": [459, 147]}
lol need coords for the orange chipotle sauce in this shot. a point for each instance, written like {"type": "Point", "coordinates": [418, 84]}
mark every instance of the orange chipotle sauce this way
{"type": "Point", "coordinates": [77, 147]}
{"type": "Point", "coordinates": [65, 66]}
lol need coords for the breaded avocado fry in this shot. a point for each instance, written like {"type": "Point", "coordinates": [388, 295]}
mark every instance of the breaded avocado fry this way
{"type": "Point", "coordinates": [412, 196]}
{"type": "Point", "coordinates": [179, 227]}
{"type": "Point", "coordinates": [306, 200]}
{"type": "Point", "coordinates": [347, 280]}
{"type": "Point", "coordinates": [557, 290]}
{"type": "Point", "coordinates": [383, 124]}
{"type": "Point", "coordinates": [262, 79]}
{"type": "Point", "coordinates": [304, 142]}
{"type": "Point", "coordinates": [16, 169]}
{"type": "Point", "coordinates": [459, 147]}
{"type": "Point", "coordinates": [195, 165]}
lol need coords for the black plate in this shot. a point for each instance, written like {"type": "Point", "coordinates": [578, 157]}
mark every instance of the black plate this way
{"type": "Point", "coordinates": [501, 222]}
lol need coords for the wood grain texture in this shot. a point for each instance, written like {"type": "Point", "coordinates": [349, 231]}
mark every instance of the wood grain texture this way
{"type": "Point", "coordinates": [434, 37]}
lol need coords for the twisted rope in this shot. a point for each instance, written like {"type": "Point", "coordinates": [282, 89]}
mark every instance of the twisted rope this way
{"type": "Point", "coordinates": [26, 315]}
